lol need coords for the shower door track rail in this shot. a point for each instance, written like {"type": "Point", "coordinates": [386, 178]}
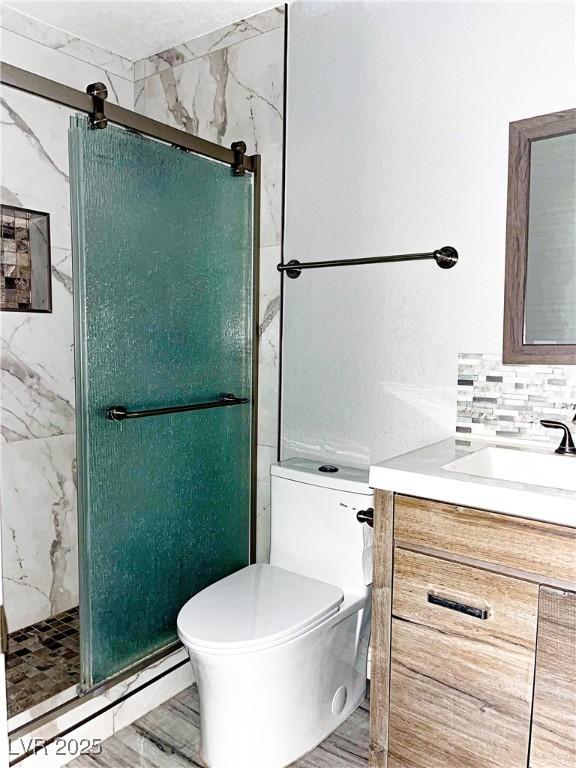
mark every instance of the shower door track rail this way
{"type": "Point", "coordinates": [14, 77]}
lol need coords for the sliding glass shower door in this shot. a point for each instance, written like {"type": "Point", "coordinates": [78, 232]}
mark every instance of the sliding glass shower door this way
{"type": "Point", "coordinates": [163, 300]}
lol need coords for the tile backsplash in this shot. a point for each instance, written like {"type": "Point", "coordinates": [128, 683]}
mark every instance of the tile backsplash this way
{"type": "Point", "coordinates": [507, 401]}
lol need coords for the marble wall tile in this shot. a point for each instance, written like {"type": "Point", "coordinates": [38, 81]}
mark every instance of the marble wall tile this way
{"type": "Point", "coordinates": [234, 93]}
{"type": "Point", "coordinates": [269, 338]}
{"type": "Point", "coordinates": [35, 159]}
{"type": "Point", "coordinates": [55, 65]}
{"type": "Point", "coordinates": [221, 38]}
{"type": "Point", "coordinates": [63, 42]}
{"type": "Point", "coordinates": [39, 528]}
{"type": "Point", "coordinates": [37, 364]}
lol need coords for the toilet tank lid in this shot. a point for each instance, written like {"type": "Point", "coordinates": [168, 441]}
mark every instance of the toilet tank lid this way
{"type": "Point", "coordinates": [322, 473]}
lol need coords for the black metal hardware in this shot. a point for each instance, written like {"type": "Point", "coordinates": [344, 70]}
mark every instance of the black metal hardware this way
{"type": "Point", "coordinates": [328, 468]}
{"type": "Point", "coordinates": [567, 445]}
{"type": "Point", "coordinates": [445, 257]}
{"type": "Point", "coordinates": [292, 268]}
{"type": "Point", "coordinates": [453, 605]}
{"type": "Point", "coordinates": [120, 412]}
{"type": "Point", "coordinates": [239, 149]}
{"type": "Point", "coordinates": [366, 516]}
{"type": "Point", "coordinates": [99, 94]}
{"type": "Point", "coordinates": [22, 80]}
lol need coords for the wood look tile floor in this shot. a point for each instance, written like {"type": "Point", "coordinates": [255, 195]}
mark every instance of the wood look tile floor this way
{"type": "Point", "coordinates": [168, 737]}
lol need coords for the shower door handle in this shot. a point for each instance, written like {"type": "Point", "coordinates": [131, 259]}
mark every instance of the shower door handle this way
{"type": "Point", "coordinates": [120, 412]}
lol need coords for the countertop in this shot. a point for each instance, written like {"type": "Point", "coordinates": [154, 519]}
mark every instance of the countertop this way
{"type": "Point", "coordinates": [421, 473]}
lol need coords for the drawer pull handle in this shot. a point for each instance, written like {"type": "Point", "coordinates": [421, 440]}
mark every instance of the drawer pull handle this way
{"type": "Point", "coordinates": [469, 610]}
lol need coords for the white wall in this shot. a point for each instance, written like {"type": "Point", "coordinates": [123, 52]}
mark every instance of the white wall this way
{"type": "Point", "coordinates": [397, 141]}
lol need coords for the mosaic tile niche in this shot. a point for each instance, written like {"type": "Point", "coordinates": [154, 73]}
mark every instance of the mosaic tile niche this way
{"type": "Point", "coordinates": [24, 260]}
{"type": "Point", "coordinates": [507, 402]}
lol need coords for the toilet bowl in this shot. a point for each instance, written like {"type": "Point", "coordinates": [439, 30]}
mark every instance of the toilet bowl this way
{"type": "Point", "coordinates": [280, 650]}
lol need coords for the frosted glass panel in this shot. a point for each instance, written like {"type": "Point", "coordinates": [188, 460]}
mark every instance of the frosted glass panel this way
{"type": "Point", "coordinates": [163, 271]}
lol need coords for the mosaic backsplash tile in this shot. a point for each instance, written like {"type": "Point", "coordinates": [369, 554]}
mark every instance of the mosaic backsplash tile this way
{"type": "Point", "coordinates": [507, 401]}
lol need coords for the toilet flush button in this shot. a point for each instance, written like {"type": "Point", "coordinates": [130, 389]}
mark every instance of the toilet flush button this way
{"type": "Point", "coordinates": [339, 700]}
{"type": "Point", "coordinates": [328, 468]}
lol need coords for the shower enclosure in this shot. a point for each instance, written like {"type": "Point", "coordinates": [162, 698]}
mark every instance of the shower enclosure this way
{"type": "Point", "coordinates": [165, 254]}
{"type": "Point", "coordinates": [163, 288]}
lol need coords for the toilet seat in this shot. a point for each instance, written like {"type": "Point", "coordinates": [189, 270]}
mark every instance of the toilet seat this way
{"type": "Point", "coordinates": [258, 607]}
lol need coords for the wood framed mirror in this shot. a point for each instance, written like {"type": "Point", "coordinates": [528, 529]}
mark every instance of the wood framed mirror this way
{"type": "Point", "coordinates": [540, 291]}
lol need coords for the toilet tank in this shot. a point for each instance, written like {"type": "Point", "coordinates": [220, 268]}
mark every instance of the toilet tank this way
{"type": "Point", "coordinates": [314, 527]}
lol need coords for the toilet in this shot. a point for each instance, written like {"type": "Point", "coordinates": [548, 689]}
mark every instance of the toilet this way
{"type": "Point", "coordinates": [280, 650]}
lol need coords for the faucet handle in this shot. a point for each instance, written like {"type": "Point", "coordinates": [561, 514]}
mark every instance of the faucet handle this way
{"type": "Point", "coordinates": [567, 444]}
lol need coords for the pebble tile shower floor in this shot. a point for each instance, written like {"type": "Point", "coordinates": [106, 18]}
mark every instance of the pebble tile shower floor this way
{"type": "Point", "coordinates": [42, 660]}
{"type": "Point", "coordinates": [168, 737]}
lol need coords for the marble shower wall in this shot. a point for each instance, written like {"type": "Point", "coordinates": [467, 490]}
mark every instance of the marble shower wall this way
{"type": "Point", "coordinates": [229, 86]}
{"type": "Point", "coordinates": [37, 449]}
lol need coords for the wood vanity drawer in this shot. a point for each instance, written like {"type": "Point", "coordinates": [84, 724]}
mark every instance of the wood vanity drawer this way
{"type": "Point", "coordinates": [461, 683]}
{"type": "Point", "coordinates": [505, 540]}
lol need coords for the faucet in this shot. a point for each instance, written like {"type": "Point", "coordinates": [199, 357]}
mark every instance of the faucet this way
{"type": "Point", "coordinates": [567, 446]}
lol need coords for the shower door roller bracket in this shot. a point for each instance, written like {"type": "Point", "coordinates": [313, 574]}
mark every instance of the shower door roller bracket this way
{"type": "Point", "coordinates": [239, 149]}
{"type": "Point", "coordinates": [99, 94]}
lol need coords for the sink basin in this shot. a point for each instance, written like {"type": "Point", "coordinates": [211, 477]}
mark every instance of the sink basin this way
{"type": "Point", "coordinates": [527, 467]}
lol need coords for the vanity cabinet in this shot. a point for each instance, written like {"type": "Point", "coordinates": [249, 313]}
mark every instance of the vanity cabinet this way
{"type": "Point", "coordinates": [473, 639]}
{"type": "Point", "coordinates": [463, 646]}
{"type": "Point", "coordinates": [554, 721]}
{"type": "Point", "coordinates": [509, 543]}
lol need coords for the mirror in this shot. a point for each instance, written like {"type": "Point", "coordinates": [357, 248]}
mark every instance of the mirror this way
{"type": "Point", "coordinates": [540, 296]}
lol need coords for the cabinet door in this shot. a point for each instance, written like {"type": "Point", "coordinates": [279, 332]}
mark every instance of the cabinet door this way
{"type": "Point", "coordinates": [463, 652]}
{"type": "Point", "coordinates": [553, 742]}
